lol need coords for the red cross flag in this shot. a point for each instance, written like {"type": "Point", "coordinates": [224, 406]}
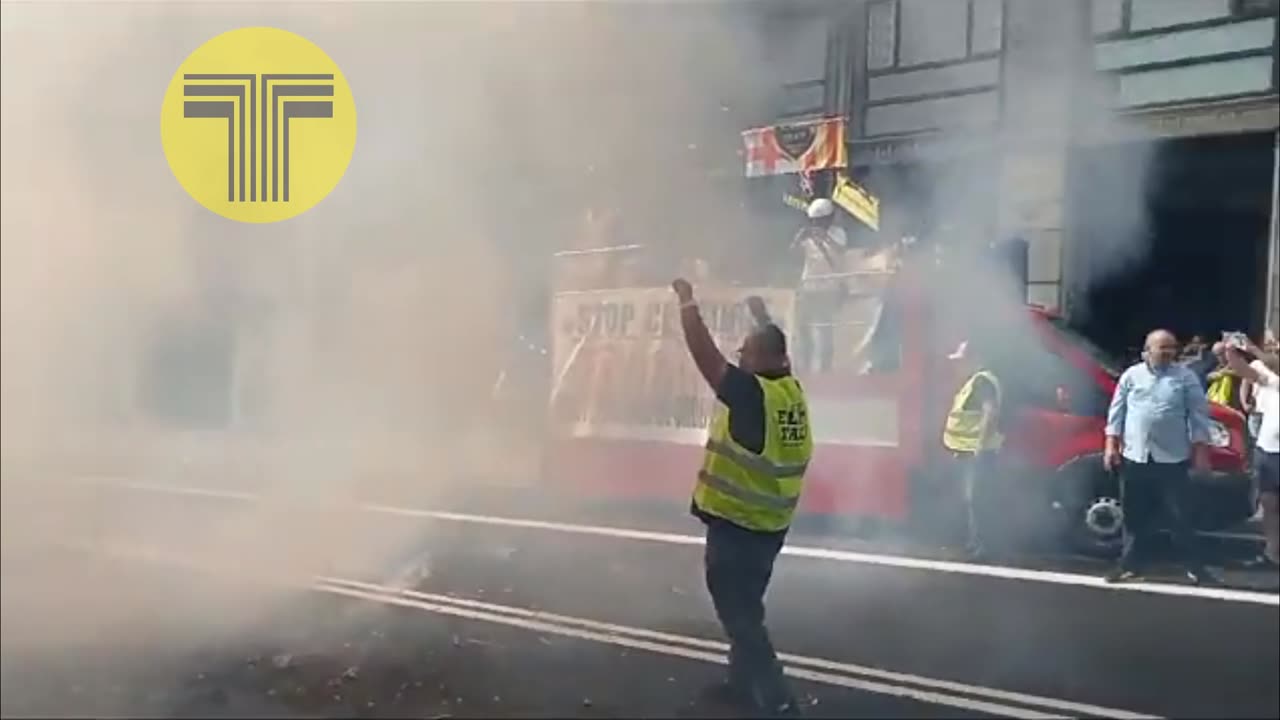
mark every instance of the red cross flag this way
{"type": "Point", "coordinates": [796, 148]}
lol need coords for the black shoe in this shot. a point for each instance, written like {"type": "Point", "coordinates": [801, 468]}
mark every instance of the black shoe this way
{"type": "Point", "coordinates": [1120, 575]}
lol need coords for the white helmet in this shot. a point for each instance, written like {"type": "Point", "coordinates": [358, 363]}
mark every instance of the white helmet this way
{"type": "Point", "coordinates": [820, 208]}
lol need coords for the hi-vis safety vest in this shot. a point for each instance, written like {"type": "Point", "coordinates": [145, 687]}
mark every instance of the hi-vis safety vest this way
{"type": "Point", "coordinates": [1221, 389]}
{"type": "Point", "coordinates": [962, 433]}
{"type": "Point", "coordinates": [759, 492]}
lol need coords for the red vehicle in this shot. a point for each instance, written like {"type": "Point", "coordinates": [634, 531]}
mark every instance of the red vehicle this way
{"type": "Point", "coordinates": [629, 412]}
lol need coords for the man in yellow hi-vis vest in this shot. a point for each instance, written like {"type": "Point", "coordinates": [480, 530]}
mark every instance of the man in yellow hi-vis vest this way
{"type": "Point", "coordinates": [758, 447]}
{"type": "Point", "coordinates": [972, 434]}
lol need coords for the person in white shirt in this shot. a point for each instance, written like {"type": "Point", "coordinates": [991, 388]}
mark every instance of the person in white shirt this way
{"type": "Point", "coordinates": [824, 245]}
{"type": "Point", "coordinates": [1260, 368]}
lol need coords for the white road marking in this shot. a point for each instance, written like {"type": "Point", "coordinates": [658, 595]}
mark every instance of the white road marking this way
{"type": "Point", "coordinates": [1248, 537]}
{"type": "Point", "coordinates": [847, 556]}
{"type": "Point", "coordinates": [692, 654]}
{"type": "Point", "coordinates": [855, 677]}
{"type": "Point", "coordinates": [723, 648]}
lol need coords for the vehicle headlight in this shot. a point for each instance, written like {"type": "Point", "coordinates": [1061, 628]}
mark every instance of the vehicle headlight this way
{"type": "Point", "coordinates": [1219, 436]}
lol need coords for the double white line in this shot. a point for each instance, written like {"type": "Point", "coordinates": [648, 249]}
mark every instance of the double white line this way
{"type": "Point", "coordinates": [973, 698]}
{"type": "Point", "coordinates": [855, 677]}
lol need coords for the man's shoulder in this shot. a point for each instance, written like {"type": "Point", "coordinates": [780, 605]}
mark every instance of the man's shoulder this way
{"type": "Point", "coordinates": [1133, 370]}
{"type": "Point", "coordinates": [738, 386]}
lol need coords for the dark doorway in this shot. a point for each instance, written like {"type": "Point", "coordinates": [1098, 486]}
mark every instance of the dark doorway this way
{"type": "Point", "coordinates": [1170, 234]}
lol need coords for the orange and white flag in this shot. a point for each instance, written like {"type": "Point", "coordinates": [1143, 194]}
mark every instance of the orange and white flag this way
{"type": "Point", "coordinates": [795, 148]}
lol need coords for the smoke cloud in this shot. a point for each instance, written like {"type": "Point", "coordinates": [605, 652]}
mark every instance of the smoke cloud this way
{"type": "Point", "coordinates": [351, 353]}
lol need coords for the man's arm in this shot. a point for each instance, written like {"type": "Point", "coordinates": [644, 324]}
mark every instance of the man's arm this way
{"type": "Point", "coordinates": [1249, 373]}
{"type": "Point", "coordinates": [1246, 395]}
{"type": "Point", "coordinates": [1197, 423]}
{"type": "Point", "coordinates": [1119, 407]}
{"type": "Point", "coordinates": [702, 346]}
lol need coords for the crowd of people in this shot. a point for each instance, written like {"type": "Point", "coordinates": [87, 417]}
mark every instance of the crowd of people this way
{"type": "Point", "coordinates": [1157, 435]}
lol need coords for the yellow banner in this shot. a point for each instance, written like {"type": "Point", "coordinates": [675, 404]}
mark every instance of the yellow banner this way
{"type": "Point", "coordinates": [620, 361]}
{"type": "Point", "coordinates": [857, 201]}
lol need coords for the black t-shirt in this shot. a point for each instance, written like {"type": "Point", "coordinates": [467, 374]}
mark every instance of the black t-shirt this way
{"type": "Point", "coordinates": [740, 391]}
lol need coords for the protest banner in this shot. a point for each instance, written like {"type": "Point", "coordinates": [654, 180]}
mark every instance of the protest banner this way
{"type": "Point", "coordinates": [620, 365]}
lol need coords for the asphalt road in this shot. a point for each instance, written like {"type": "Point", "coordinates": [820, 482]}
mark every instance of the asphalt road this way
{"type": "Point", "coordinates": [515, 613]}
{"type": "Point", "coordinates": [328, 655]}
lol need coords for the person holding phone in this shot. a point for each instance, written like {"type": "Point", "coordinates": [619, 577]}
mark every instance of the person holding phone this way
{"type": "Point", "coordinates": [1260, 369]}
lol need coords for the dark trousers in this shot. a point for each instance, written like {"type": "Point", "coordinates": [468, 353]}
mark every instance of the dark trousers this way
{"type": "Point", "coordinates": [739, 564]}
{"type": "Point", "coordinates": [1148, 490]}
{"type": "Point", "coordinates": [978, 470]}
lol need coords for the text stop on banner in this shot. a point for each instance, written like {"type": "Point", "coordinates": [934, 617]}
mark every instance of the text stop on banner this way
{"type": "Point", "coordinates": [621, 367]}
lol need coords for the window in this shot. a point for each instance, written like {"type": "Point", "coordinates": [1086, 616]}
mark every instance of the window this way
{"type": "Point", "coordinates": [1256, 8]}
{"type": "Point", "coordinates": [932, 31]}
{"type": "Point", "coordinates": [1109, 362]}
{"type": "Point", "coordinates": [881, 35]}
{"type": "Point", "coordinates": [906, 33]}
{"type": "Point", "coordinates": [1031, 375]}
{"type": "Point", "coordinates": [987, 32]}
{"type": "Point", "coordinates": [1116, 16]}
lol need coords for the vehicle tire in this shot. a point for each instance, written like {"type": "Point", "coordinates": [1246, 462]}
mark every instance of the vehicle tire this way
{"type": "Point", "coordinates": [1088, 509]}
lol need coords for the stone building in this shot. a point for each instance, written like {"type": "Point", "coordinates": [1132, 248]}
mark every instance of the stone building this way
{"type": "Point", "coordinates": [1132, 143]}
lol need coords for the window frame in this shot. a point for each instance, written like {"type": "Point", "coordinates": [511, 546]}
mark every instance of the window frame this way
{"type": "Point", "coordinates": [896, 65]}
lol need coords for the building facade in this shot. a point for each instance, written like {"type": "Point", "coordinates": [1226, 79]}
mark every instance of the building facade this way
{"type": "Point", "coordinates": [975, 117]}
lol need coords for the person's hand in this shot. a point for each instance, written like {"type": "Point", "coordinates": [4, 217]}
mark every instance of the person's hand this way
{"type": "Point", "coordinates": [1111, 455]}
{"type": "Point", "coordinates": [684, 291]}
{"type": "Point", "coordinates": [1200, 459]}
{"type": "Point", "coordinates": [1236, 359]}
{"type": "Point", "coordinates": [756, 305]}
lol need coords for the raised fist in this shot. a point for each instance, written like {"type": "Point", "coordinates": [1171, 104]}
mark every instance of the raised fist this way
{"type": "Point", "coordinates": [684, 291]}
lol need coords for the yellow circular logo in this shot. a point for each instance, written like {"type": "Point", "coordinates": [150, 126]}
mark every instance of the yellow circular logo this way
{"type": "Point", "coordinates": [258, 125]}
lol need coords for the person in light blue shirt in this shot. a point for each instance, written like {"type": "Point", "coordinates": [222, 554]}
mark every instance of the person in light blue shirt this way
{"type": "Point", "coordinates": [1157, 429]}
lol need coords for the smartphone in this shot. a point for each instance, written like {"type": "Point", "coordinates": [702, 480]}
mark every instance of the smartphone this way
{"type": "Point", "coordinates": [1239, 342]}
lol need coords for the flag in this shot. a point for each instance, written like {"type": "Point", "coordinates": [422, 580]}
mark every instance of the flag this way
{"type": "Point", "coordinates": [795, 148]}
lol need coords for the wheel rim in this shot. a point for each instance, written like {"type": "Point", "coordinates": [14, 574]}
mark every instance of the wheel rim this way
{"type": "Point", "coordinates": [1104, 518]}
